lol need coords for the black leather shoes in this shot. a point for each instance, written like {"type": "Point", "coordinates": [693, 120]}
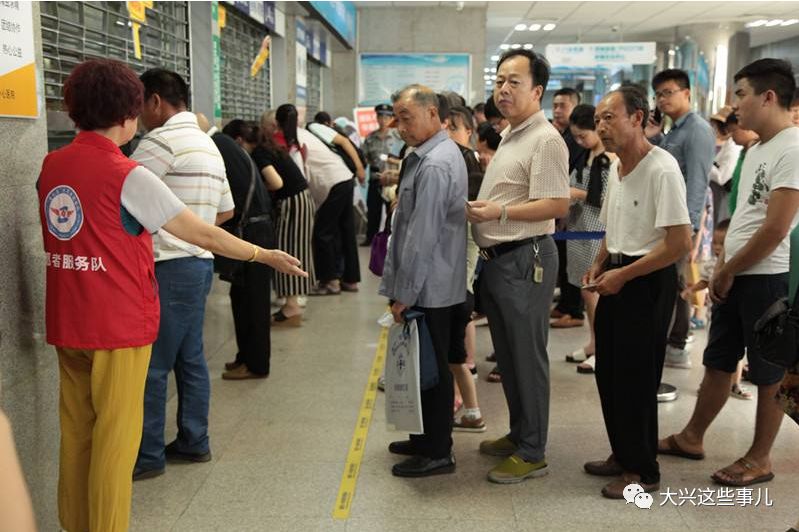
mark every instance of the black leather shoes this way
{"type": "Point", "coordinates": [174, 455]}
{"type": "Point", "coordinates": [143, 474]}
{"type": "Point", "coordinates": [404, 447]}
{"type": "Point", "coordinates": [421, 466]}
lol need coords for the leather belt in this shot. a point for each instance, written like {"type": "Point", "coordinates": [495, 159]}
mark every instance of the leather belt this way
{"type": "Point", "coordinates": [620, 259]}
{"type": "Point", "coordinates": [506, 247]}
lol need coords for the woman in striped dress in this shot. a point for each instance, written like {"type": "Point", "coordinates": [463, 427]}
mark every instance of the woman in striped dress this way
{"type": "Point", "coordinates": [295, 219]}
{"type": "Point", "coordinates": [588, 186]}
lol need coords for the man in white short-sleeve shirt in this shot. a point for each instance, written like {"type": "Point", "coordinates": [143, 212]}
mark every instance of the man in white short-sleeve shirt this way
{"type": "Point", "coordinates": [752, 272]}
{"type": "Point", "coordinates": [177, 151]}
{"type": "Point", "coordinates": [647, 230]}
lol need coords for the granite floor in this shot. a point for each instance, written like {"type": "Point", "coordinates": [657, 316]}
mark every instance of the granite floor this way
{"type": "Point", "coordinates": [279, 447]}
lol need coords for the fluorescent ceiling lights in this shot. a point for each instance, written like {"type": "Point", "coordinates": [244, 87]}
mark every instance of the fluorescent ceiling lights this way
{"type": "Point", "coordinates": [771, 23]}
{"type": "Point", "coordinates": [486, 77]}
{"type": "Point", "coordinates": [516, 46]}
{"type": "Point", "coordinates": [534, 27]}
{"type": "Point", "coordinates": [486, 70]}
{"type": "Point", "coordinates": [504, 46]}
{"type": "Point", "coordinates": [520, 27]}
{"type": "Point", "coordinates": [495, 58]}
{"type": "Point", "coordinates": [493, 78]}
{"type": "Point", "coordinates": [528, 46]}
{"type": "Point", "coordinates": [549, 27]}
{"type": "Point", "coordinates": [494, 70]}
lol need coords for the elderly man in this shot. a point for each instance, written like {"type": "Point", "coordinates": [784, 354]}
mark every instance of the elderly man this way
{"type": "Point", "coordinates": [425, 265]}
{"type": "Point", "coordinates": [648, 230]}
{"type": "Point", "coordinates": [525, 188]}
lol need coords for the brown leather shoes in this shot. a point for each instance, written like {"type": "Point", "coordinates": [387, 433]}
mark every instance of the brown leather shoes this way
{"type": "Point", "coordinates": [604, 468]}
{"type": "Point", "coordinates": [615, 489]}
{"type": "Point", "coordinates": [241, 373]}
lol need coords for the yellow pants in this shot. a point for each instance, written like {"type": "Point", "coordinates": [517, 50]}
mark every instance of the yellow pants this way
{"type": "Point", "coordinates": [101, 408]}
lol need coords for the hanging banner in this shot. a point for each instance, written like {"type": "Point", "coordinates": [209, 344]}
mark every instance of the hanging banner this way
{"type": "Point", "coordinates": [365, 120]}
{"type": "Point", "coordinates": [302, 64]}
{"type": "Point", "coordinates": [18, 94]}
{"type": "Point", "coordinates": [260, 59]}
{"type": "Point", "coordinates": [595, 54]}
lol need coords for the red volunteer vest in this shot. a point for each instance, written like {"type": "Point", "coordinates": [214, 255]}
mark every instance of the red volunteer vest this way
{"type": "Point", "coordinates": [101, 288]}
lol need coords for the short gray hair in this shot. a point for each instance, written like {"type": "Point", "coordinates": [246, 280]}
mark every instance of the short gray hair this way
{"type": "Point", "coordinates": [422, 95]}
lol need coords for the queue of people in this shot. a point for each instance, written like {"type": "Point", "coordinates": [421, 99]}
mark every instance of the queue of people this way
{"type": "Point", "coordinates": [471, 222]}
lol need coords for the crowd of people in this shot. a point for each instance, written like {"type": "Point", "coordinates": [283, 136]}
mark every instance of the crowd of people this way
{"type": "Point", "coordinates": [651, 215]}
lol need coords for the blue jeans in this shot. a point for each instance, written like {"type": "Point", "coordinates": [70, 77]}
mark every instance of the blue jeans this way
{"type": "Point", "coordinates": [183, 287]}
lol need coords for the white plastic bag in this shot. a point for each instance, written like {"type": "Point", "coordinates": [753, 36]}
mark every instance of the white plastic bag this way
{"type": "Point", "coordinates": [403, 391]}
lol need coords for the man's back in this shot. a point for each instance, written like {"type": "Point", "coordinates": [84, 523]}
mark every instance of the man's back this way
{"type": "Point", "coordinates": [190, 164]}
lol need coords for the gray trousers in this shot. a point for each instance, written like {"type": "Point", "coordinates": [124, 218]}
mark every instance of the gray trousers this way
{"type": "Point", "coordinates": [518, 317]}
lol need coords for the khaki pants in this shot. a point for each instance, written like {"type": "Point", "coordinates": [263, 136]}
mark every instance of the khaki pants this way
{"type": "Point", "coordinates": [101, 409]}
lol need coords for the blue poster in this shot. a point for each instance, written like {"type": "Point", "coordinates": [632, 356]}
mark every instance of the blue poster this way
{"type": "Point", "coordinates": [341, 16]}
{"type": "Point", "coordinates": [383, 74]}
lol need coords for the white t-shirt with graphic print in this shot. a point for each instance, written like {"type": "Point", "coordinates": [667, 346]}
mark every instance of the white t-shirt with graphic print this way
{"type": "Point", "coordinates": [767, 167]}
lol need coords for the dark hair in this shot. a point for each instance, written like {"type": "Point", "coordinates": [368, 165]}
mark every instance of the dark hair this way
{"type": "Point", "coordinates": [571, 93]}
{"type": "Point", "coordinates": [486, 133]}
{"type": "Point", "coordinates": [454, 99]}
{"type": "Point", "coordinates": [539, 66]}
{"type": "Point", "coordinates": [323, 118]}
{"type": "Point", "coordinates": [239, 128]}
{"type": "Point", "coordinates": [583, 116]}
{"type": "Point", "coordinates": [721, 126]}
{"type": "Point", "coordinates": [491, 110]}
{"type": "Point", "coordinates": [722, 225]}
{"type": "Point", "coordinates": [795, 98]}
{"type": "Point", "coordinates": [463, 114]}
{"type": "Point", "coordinates": [479, 108]}
{"type": "Point", "coordinates": [166, 84]}
{"type": "Point", "coordinates": [443, 107]}
{"type": "Point", "coordinates": [770, 75]}
{"type": "Point", "coordinates": [635, 100]}
{"type": "Point", "coordinates": [731, 119]}
{"type": "Point", "coordinates": [286, 117]}
{"type": "Point", "coordinates": [680, 77]}
{"type": "Point", "coordinates": [101, 93]}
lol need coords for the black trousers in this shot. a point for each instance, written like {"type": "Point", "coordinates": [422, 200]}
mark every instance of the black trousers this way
{"type": "Point", "coordinates": [374, 206]}
{"type": "Point", "coordinates": [681, 319]}
{"type": "Point", "coordinates": [334, 236]}
{"type": "Point", "coordinates": [571, 300]}
{"type": "Point", "coordinates": [631, 329]}
{"type": "Point", "coordinates": [250, 301]}
{"type": "Point", "coordinates": [437, 402]}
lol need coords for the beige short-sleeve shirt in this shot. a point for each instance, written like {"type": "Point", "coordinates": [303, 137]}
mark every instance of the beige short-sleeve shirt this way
{"type": "Point", "coordinates": [531, 163]}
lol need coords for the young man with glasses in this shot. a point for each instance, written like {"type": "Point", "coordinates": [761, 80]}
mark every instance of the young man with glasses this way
{"type": "Point", "coordinates": [691, 141]}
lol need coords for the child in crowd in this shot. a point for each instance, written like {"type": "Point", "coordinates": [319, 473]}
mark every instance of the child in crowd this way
{"type": "Point", "coordinates": [706, 271]}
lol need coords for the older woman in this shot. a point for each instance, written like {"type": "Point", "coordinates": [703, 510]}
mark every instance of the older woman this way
{"type": "Point", "coordinates": [98, 209]}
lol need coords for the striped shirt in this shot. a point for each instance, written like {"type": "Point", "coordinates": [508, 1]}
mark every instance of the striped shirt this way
{"type": "Point", "coordinates": [190, 164]}
{"type": "Point", "coordinates": [531, 163]}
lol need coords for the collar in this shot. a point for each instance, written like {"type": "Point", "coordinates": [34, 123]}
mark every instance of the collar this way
{"type": "Point", "coordinates": [183, 117]}
{"type": "Point", "coordinates": [91, 138]}
{"type": "Point", "coordinates": [428, 145]}
{"type": "Point", "coordinates": [211, 132]}
{"type": "Point", "coordinates": [680, 121]}
{"type": "Point", "coordinates": [532, 120]}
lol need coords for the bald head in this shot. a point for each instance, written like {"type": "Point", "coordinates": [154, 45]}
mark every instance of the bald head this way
{"type": "Point", "coordinates": [203, 122]}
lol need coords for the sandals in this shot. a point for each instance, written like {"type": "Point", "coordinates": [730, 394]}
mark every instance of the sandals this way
{"type": "Point", "coordinates": [673, 448]}
{"type": "Point", "coordinates": [739, 392]}
{"type": "Point", "coordinates": [281, 320]}
{"type": "Point", "coordinates": [494, 375]}
{"type": "Point", "coordinates": [736, 479]}
{"type": "Point", "coordinates": [578, 356]}
{"type": "Point", "coordinates": [587, 367]}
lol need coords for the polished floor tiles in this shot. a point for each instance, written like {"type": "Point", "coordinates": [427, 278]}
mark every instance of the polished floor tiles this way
{"type": "Point", "coordinates": [279, 447]}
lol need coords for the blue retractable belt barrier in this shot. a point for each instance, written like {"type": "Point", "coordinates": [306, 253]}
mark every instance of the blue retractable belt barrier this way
{"type": "Point", "coordinates": [579, 235]}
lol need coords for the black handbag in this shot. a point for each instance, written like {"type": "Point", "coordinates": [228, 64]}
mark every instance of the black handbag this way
{"type": "Point", "coordinates": [776, 334]}
{"type": "Point", "coordinates": [232, 270]}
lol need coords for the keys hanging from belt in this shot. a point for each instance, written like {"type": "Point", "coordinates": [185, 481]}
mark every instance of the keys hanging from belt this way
{"type": "Point", "coordinates": [538, 267]}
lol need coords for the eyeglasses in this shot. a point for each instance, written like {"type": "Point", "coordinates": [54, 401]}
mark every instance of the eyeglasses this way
{"type": "Point", "coordinates": [666, 93]}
